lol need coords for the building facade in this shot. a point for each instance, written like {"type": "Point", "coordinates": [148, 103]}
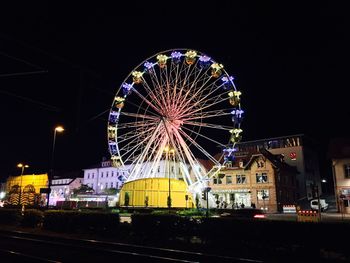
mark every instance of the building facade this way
{"type": "Point", "coordinates": [62, 188]}
{"type": "Point", "coordinates": [340, 156]}
{"type": "Point", "coordinates": [265, 182]}
{"type": "Point", "coordinates": [26, 189]}
{"type": "Point", "coordinates": [104, 176]}
{"type": "Point", "coordinates": [298, 151]}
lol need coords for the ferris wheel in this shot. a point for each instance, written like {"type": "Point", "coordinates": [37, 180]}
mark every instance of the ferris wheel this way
{"type": "Point", "coordinates": [180, 107]}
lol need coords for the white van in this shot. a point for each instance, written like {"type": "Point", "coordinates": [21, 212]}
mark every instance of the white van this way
{"type": "Point", "coordinates": [314, 204]}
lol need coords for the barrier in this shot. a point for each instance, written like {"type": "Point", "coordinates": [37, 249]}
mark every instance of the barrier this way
{"type": "Point", "coordinates": [289, 209]}
{"type": "Point", "coordinates": [308, 216]}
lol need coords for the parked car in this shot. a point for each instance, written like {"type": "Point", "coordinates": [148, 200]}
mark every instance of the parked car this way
{"type": "Point", "coordinates": [314, 204]}
{"type": "Point", "coordinates": [244, 213]}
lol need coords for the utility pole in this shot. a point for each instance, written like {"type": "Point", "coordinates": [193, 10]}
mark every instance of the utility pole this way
{"type": "Point", "coordinates": [319, 202]}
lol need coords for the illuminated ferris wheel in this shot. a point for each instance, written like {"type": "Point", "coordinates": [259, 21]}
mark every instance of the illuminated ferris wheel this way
{"type": "Point", "coordinates": [178, 106]}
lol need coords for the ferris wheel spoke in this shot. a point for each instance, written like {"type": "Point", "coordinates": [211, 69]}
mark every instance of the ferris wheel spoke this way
{"type": "Point", "coordinates": [208, 114]}
{"type": "Point", "coordinates": [157, 86]}
{"type": "Point", "coordinates": [167, 86]}
{"type": "Point", "coordinates": [183, 83]}
{"type": "Point", "coordinates": [200, 88]}
{"type": "Point", "coordinates": [132, 150]}
{"type": "Point", "coordinates": [191, 160]}
{"type": "Point", "coordinates": [209, 104]}
{"type": "Point", "coordinates": [158, 110]}
{"type": "Point", "coordinates": [146, 149]}
{"type": "Point", "coordinates": [133, 134]}
{"type": "Point", "coordinates": [126, 125]}
{"type": "Point", "coordinates": [140, 108]}
{"type": "Point", "coordinates": [213, 88]}
{"type": "Point", "coordinates": [153, 95]}
{"type": "Point", "coordinates": [203, 136]}
{"type": "Point", "coordinates": [199, 147]}
{"type": "Point", "coordinates": [143, 116]}
{"type": "Point", "coordinates": [189, 91]}
{"type": "Point", "coordinates": [208, 125]}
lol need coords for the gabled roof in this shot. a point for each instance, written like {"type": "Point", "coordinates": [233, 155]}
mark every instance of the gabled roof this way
{"type": "Point", "coordinates": [275, 159]}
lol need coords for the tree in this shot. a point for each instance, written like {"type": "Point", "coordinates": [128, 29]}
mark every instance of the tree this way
{"type": "Point", "coordinates": [197, 201]}
{"type": "Point", "coordinates": [111, 191]}
{"type": "Point", "coordinates": [83, 189]}
{"type": "Point", "coordinates": [126, 199]}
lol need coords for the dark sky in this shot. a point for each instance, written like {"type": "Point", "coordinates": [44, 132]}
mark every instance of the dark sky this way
{"type": "Point", "coordinates": [290, 61]}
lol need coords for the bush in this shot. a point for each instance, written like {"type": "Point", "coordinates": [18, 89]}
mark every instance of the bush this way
{"type": "Point", "coordinates": [10, 216]}
{"type": "Point", "coordinates": [192, 212]}
{"type": "Point", "coordinates": [32, 218]}
{"type": "Point", "coordinates": [82, 222]}
{"type": "Point", "coordinates": [162, 225]}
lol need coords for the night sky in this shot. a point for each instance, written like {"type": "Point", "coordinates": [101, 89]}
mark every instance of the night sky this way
{"type": "Point", "coordinates": [289, 61]}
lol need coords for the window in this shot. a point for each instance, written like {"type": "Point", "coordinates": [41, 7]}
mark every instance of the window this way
{"type": "Point", "coordinates": [241, 179]}
{"type": "Point", "coordinates": [215, 180]}
{"type": "Point", "coordinates": [347, 170]}
{"type": "Point", "coordinates": [228, 179]}
{"type": "Point", "coordinates": [93, 175]}
{"type": "Point", "coordinates": [88, 176]}
{"type": "Point", "coordinates": [106, 174]}
{"type": "Point", "coordinates": [111, 184]}
{"type": "Point", "coordinates": [101, 174]}
{"type": "Point", "coordinates": [112, 173]}
{"type": "Point", "coordinates": [220, 176]}
{"type": "Point", "coordinates": [263, 194]}
{"type": "Point", "coordinates": [261, 178]}
{"type": "Point", "coordinates": [106, 185]}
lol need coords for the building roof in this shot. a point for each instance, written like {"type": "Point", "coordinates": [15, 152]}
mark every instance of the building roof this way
{"type": "Point", "coordinates": [275, 159]}
{"type": "Point", "coordinates": [67, 175]}
{"type": "Point", "coordinates": [339, 148]}
{"type": "Point", "coordinates": [269, 139]}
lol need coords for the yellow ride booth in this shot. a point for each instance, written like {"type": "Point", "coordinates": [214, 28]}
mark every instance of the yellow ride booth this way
{"type": "Point", "coordinates": [154, 192]}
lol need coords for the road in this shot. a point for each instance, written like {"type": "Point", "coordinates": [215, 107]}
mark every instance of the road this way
{"type": "Point", "coordinates": [325, 217]}
{"type": "Point", "coordinates": [18, 246]}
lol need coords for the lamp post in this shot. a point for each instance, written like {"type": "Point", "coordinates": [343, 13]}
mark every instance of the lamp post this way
{"type": "Point", "coordinates": [22, 166]}
{"type": "Point", "coordinates": [50, 175]}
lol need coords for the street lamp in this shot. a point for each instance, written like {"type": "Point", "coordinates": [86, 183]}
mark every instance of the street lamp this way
{"type": "Point", "coordinates": [22, 166]}
{"type": "Point", "coordinates": [58, 129]}
{"type": "Point", "coordinates": [169, 152]}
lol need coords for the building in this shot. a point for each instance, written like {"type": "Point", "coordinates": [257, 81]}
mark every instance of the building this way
{"type": "Point", "coordinates": [298, 150]}
{"type": "Point", "coordinates": [26, 189]}
{"type": "Point", "coordinates": [265, 181]}
{"type": "Point", "coordinates": [62, 187]}
{"type": "Point", "coordinates": [104, 176]}
{"type": "Point", "coordinates": [339, 151]}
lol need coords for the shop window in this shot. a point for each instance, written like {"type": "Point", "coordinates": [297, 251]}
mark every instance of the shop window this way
{"type": "Point", "coordinates": [263, 194]}
{"type": "Point", "coordinates": [229, 179]}
{"type": "Point", "coordinates": [241, 179]}
{"type": "Point", "coordinates": [261, 178]}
